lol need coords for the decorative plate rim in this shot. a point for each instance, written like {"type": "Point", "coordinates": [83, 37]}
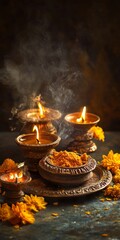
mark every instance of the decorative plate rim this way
{"type": "Point", "coordinates": [77, 191]}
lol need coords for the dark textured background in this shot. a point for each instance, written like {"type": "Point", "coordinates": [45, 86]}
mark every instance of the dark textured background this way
{"type": "Point", "coordinates": [68, 51]}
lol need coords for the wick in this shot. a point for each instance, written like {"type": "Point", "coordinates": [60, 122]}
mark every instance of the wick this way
{"type": "Point", "coordinates": [16, 180]}
{"type": "Point", "coordinates": [37, 140]}
{"type": "Point", "coordinates": [82, 120]}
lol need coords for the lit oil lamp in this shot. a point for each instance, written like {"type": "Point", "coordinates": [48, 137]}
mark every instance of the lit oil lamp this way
{"type": "Point", "coordinates": [40, 115]}
{"type": "Point", "coordinates": [82, 137]}
{"type": "Point", "coordinates": [35, 146]}
{"type": "Point", "coordinates": [12, 184]}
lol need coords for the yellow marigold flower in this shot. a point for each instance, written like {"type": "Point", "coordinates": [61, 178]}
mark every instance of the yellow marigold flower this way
{"type": "Point", "coordinates": [30, 204]}
{"type": "Point", "coordinates": [98, 133]}
{"type": "Point", "coordinates": [116, 177]}
{"type": "Point", "coordinates": [5, 212]}
{"type": "Point", "coordinates": [113, 191]}
{"type": "Point", "coordinates": [111, 161]}
{"type": "Point", "coordinates": [20, 206]}
{"type": "Point", "coordinates": [22, 212]}
{"type": "Point", "coordinates": [35, 203]}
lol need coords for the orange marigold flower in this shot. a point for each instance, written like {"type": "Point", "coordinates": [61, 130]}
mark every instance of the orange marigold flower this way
{"type": "Point", "coordinates": [98, 133]}
{"type": "Point", "coordinates": [22, 212]}
{"type": "Point", "coordinates": [35, 203]}
{"type": "Point", "coordinates": [111, 161]}
{"type": "Point", "coordinates": [6, 212]}
{"type": "Point", "coordinates": [7, 165]}
{"type": "Point", "coordinates": [116, 177]}
{"type": "Point", "coordinates": [113, 191]}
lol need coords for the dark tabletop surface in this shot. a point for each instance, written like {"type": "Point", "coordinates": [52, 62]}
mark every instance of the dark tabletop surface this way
{"type": "Point", "coordinates": [72, 221]}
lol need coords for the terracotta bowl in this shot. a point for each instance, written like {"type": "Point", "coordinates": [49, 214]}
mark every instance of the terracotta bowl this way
{"type": "Point", "coordinates": [64, 175]}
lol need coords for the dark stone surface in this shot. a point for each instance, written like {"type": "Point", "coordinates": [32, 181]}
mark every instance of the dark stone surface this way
{"type": "Point", "coordinates": [72, 222]}
{"type": "Point", "coordinates": [68, 51]}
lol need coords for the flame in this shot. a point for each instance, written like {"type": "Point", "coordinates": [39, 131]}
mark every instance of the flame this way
{"type": "Point", "coordinates": [12, 176]}
{"type": "Point", "coordinates": [35, 128]}
{"type": "Point", "coordinates": [41, 109]}
{"type": "Point", "coordinates": [83, 115]}
{"type": "Point", "coordinates": [38, 100]}
{"type": "Point", "coordinates": [17, 176]}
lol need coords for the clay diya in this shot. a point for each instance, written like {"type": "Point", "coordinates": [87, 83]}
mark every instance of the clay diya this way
{"type": "Point", "coordinates": [67, 176]}
{"type": "Point", "coordinates": [81, 122]}
{"type": "Point", "coordinates": [41, 116]}
{"type": "Point", "coordinates": [12, 183]}
{"type": "Point", "coordinates": [36, 146]}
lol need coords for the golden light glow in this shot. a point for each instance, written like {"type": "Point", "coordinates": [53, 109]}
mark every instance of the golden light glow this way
{"type": "Point", "coordinates": [12, 176]}
{"type": "Point", "coordinates": [41, 109]}
{"type": "Point", "coordinates": [19, 174]}
{"type": "Point", "coordinates": [16, 176]}
{"type": "Point", "coordinates": [35, 128]}
{"type": "Point", "coordinates": [82, 117]}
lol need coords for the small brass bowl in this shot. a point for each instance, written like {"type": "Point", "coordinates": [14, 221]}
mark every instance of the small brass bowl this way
{"type": "Point", "coordinates": [66, 175]}
{"type": "Point", "coordinates": [33, 152]}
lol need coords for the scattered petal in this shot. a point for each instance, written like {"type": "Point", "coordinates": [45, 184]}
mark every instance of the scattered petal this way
{"type": "Point", "coordinates": [88, 213]}
{"type": "Point", "coordinates": [55, 214]}
{"type": "Point", "coordinates": [55, 203]}
{"type": "Point", "coordinates": [104, 234]}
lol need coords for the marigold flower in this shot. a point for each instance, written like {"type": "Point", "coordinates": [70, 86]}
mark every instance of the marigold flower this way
{"type": "Point", "coordinates": [22, 212]}
{"type": "Point", "coordinates": [98, 133]}
{"type": "Point", "coordinates": [7, 165]}
{"type": "Point", "coordinates": [116, 177]}
{"type": "Point", "coordinates": [6, 212]}
{"type": "Point", "coordinates": [35, 203]}
{"type": "Point", "coordinates": [113, 191]}
{"type": "Point", "coordinates": [111, 161]}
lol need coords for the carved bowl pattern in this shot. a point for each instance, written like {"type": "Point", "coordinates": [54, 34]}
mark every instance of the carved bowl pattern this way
{"type": "Point", "coordinates": [66, 176]}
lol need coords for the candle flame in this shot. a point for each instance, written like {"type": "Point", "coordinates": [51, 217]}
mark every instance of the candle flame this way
{"type": "Point", "coordinates": [19, 174]}
{"type": "Point", "coordinates": [82, 117]}
{"type": "Point", "coordinates": [35, 128]}
{"type": "Point", "coordinates": [41, 109]}
{"type": "Point", "coordinates": [16, 176]}
{"type": "Point", "coordinates": [11, 176]}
